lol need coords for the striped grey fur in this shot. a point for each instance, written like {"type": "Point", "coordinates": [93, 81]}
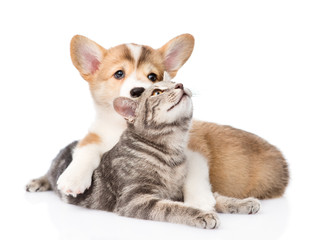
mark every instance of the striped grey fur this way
{"type": "Point", "coordinates": [142, 176]}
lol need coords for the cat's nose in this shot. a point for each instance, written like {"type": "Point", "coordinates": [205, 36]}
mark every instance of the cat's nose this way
{"type": "Point", "coordinates": [179, 85]}
{"type": "Point", "coordinates": [136, 92]}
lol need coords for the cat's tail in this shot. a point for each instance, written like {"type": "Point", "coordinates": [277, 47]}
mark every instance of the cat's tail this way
{"type": "Point", "coordinates": [38, 185]}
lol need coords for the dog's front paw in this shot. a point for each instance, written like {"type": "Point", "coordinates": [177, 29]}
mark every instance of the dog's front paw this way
{"type": "Point", "coordinates": [208, 220]}
{"type": "Point", "coordinates": [205, 205]}
{"type": "Point", "coordinates": [73, 182]}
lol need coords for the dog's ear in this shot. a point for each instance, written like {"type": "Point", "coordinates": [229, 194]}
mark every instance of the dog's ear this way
{"type": "Point", "coordinates": [126, 107]}
{"type": "Point", "coordinates": [176, 52]}
{"type": "Point", "coordinates": [86, 56]}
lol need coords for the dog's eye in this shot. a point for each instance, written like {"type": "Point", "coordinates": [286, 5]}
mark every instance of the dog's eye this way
{"type": "Point", "coordinates": [157, 92]}
{"type": "Point", "coordinates": [119, 74]}
{"type": "Point", "coordinates": [152, 77]}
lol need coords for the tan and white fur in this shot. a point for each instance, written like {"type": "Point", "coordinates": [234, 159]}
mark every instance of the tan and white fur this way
{"type": "Point", "coordinates": [264, 172]}
{"type": "Point", "coordinates": [98, 66]}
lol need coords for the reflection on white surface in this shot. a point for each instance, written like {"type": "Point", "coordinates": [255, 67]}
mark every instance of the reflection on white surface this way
{"type": "Point", "coordinates": [72, 222]}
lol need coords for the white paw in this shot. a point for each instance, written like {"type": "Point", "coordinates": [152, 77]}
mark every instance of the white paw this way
{"type": "Point", "coordinates": [74, 181]}
{"type": "Point", "coordinates": [206, 202]}
{"type": "Point", "coordinates": [205, 206]}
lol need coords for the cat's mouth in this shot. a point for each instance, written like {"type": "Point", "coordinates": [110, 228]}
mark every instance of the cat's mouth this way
{"type": "Point", "coordinates": [184, 94]}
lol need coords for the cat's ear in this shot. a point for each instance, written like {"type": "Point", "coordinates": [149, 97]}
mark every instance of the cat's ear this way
{"type": "Point", "coordinates": [166, 77]}
{"type": "Point", "coordinates": [86, 56]}
{"type": "Point", "coordinates": [126, 107]}
{"type": "Point", "coordinates": [176, 52]}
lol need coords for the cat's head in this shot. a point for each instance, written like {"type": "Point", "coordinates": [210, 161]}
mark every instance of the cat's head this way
{"type": "Point", "coordinates": [163, 104]}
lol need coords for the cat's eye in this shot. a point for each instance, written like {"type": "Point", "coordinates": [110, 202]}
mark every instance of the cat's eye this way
{"type": "Point", "coordinates": [119, 75]}
{"type": "Point", "coordinates": [152, 77]}
{"type": "Point", "coordinates": [157, 92]}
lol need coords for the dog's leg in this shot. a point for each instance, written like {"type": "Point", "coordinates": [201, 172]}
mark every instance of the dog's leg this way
{"type": "Point", "coordinates": [197, 188]}
{"type": "Point", "coordinates": [234, 205]}
{"type": "Point", "coordinates": [77, 176]}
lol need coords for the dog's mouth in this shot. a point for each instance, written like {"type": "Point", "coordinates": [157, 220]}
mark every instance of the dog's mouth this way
{"type": "Point", "coordinates": [184, 94]}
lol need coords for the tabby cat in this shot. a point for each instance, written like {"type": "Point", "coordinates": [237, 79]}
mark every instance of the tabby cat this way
{"type": "Point", "coordinates": [143, 175]}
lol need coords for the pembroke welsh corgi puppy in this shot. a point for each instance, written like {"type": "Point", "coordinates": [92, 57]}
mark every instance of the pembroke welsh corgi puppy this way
{"type": "Point", "coordinates": [237, 163]}
{"type": "Point", "coordinates": [125, 70]}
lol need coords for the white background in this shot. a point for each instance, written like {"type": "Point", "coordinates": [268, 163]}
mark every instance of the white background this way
{"type": "Point", "coordinates": [252, 68]}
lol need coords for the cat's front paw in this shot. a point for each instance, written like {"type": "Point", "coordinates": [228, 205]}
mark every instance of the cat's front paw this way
{"type": "Point", "coordinates": [73, 181]}
{"type": "Point", "coordinates": [207, 220]}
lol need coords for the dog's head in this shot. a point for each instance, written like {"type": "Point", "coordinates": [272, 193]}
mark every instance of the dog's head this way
{"type": "Point", "coordinates": [126, 70]}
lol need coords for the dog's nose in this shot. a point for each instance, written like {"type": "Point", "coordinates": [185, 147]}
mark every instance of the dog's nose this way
{"type": "Point", "coordinates": [136, 92]}
{"type": "Point", "coordinates": [179, 85]}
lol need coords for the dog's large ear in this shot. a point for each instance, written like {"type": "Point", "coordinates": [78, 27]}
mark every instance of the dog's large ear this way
{"type": "Point", "coordinates": [86, 56]}
{"type": "Point", "coordinates": [126, 107]}
{"type": "Point", "coordinates": [176, 52]}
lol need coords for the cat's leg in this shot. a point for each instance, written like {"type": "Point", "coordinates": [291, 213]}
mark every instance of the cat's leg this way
{"type": "Point", "coordinates": [38, 185]}
{"type": "Point", "coordinates": [197, 189]}
{"type": "Point", "coordinates": [58, 165]}
{"type": "Point", "coordinates": [234, 205]}
{"type": "Point", "coordinates": [77, 177]}
{"type": "Point", "coordinates": [152, 208]}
